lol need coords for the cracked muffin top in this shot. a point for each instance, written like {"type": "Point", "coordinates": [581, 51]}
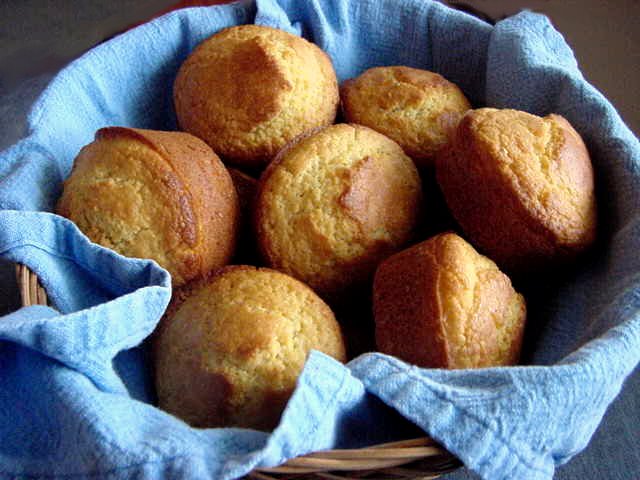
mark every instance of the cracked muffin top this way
{"type": "Point", "coordinates": [159, 195]}
{"type": "Point", "coordinates": [231, 346]}
{"type": "Point", "coordinates": [249, 90]}
{"type": "Point", "coordinates": [521, 187]}
{"type": "Point", "coordinates": [334, 204]}
{"type": "Point", "coordinates": [416, 108]}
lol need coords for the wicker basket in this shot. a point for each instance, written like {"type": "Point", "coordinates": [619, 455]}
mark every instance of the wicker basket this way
{"type": "Point", "coordinates": [408, 459]}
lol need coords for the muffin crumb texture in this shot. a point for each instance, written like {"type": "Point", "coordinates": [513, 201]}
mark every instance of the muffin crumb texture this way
{"type": "Point", "coordinates": [521, 187]}
{"type": "Point", "coordinates": [334, 204]}
{"type": "Point", "coordinates": [159, 195]}
{"type": "Point", "coordinates": [249, 90]}
{"type": "Point", "coordinates": [416, 108]}
{"type": "Point", "coordinates": [231, 347]}
{"type": "Point", "coordinates": [440, 304]}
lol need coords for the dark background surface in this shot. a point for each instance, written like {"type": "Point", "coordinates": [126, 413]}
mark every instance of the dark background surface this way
{"type": "Point", "coordinates": [38, 37]}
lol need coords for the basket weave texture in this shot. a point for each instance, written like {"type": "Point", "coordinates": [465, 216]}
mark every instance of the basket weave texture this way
{"type": "Point", "coordinates": [419, 458]}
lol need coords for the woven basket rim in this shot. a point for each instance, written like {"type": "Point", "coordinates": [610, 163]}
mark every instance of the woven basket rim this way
{"type": "Point", "coordinates": [406, 459]}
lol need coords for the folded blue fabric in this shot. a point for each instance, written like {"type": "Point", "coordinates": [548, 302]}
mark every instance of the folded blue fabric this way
{"type": "Point", "coordinates": [75, 395]}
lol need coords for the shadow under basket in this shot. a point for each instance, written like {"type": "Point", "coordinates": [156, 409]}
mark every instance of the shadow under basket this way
{"type": "Point", "coordinates": [419, 458]}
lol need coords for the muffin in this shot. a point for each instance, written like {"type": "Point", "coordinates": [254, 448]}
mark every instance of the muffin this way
{"type": "Point", "coordinates": [159, 195]}
{"type": "Point", "coordinates": [440, 304]}
{"type": "Point", "coordinates": [230, 348]}
{"type": "Point", "coordinates": [249, 90]}
{"type": "Point", "coordinates": [521, 187]}
{"type": "Point", "coordinates": [334, 204]}
{"type": "Point", "coordinates": [414, 107]}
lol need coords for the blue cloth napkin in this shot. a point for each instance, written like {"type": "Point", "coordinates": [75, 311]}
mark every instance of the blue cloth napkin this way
{"type": "Point", "coordinates": [75, 394]}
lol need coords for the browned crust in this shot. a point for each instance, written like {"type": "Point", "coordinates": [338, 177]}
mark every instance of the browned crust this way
{"type": "Point", "coordinates": [366, 198]}
{"type": "Point", "coordinates": [184, 387]}
{"type": "Point", "coordinates": [410, 299]}
{"type": "Point", "coordinates": [499, 215]}
{"type": "Point", "coordinates": [407, 310]}
{"type": "Point", "coordinates": [345, 98]}
{"type": "Point", "coordinates": [326, 65]}
{"type": "Point", "coordinates": [423, 81]}
{"type": "Point", "coordinates": [209, 392]}
{"type": "Point", "coordinates": [212, 229]}
{"type": "Point", "coordinates": [181, 294]}
{"type": "Point", "coordinates": [256, 100]}
{"type": "Point", "coordinates": [259, 97]}
{"type": "Point", "coordinates": [264, 245]}
{"type": "Point", "coordinates": [358, 270]}
{"type": "Point", "coordinates": [515, 351]}
{"type": "Point", "coordinates": [421, 78]}
{"type": "Point", "coordinates": [575, 161]}
{"type": "Point", "coordinates": [203, 395]}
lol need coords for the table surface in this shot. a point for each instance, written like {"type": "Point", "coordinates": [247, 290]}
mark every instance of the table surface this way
{"type": "Point", "coordinates": [57, 31]}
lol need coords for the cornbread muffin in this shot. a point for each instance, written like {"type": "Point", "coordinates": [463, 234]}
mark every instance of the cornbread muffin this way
{"type": "Point", "coordinates": [440, 304]}
{"type": "Point", "coordinates": [249, 90]}
{"type": "Point", "coordinates": [159, 195]}
{"type": "Point", "coordinates": [334, 204]}
{"type": "Point", "coordinates": [521, 187]}
{"type": "Point", "coordinates": [231, 347]}
{"type": "Point", "coordinates": [414, 107]}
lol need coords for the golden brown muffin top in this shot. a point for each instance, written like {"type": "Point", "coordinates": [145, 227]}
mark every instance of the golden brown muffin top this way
{"type": "Point", "coordinates": [249, 330]}
{"type": "Point", "coordinates": [248, 90]}
{"type": "Point", "coordinates": [531, 180]}
{"type": "Point", "coordinates": [158, 195]}
{"type": "Point", "coordinates": [442, 304]}
{"type": "Point", "coordinates": [334, 204]}
{"type": "Point", "coordinates": [414, 107]}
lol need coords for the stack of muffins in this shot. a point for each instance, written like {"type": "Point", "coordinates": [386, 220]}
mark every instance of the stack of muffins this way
{"type": "Point", "coordinates": [317, 217]}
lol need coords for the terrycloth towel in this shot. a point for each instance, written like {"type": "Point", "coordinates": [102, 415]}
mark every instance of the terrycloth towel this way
{"type": "Point", "coordinates": [75, 397]}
